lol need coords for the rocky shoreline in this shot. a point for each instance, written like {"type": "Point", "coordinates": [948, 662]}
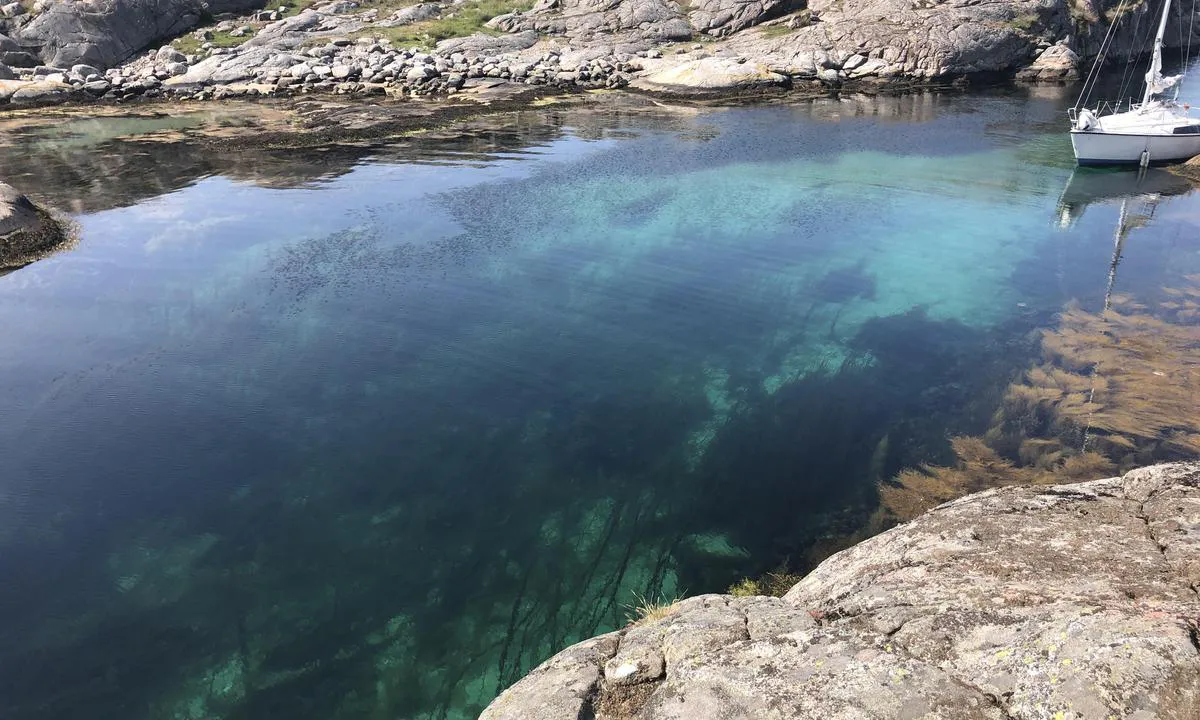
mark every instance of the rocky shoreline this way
{"type": "Point", "coordinates": [1070, 601]}
{"type": "Point", "coordinates": [56, 52]}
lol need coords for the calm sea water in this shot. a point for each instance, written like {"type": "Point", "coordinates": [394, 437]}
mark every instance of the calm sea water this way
{"type": "Point", "coordinates": [366, 434]}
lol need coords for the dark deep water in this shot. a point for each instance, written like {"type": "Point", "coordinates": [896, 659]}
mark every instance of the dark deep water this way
{"type": "Point", "coordinates": [368, 434]}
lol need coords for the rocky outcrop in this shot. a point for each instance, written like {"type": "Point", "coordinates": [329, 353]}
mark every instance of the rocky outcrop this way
{"type": "Point", "coordinates": [855, 39]}
{"type": "Point", "coordinates": [27, 232]}
{"type": "Point", "coordinates": [1056, 63]}
{"type": "Point", "coordinates": [711, 74]}
{"type": "Point", "coordinates": [1074, 601]}
{"type": "Point", "coordinates": [106, 32]}
{"type": "Point", "coordinates": [604, 21]}
{"type": "Point", "coordinates": [567, 44]}
{"type": "Point", "coordinates": [722, 17]}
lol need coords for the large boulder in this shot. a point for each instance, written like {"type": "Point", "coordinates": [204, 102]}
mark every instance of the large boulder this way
{"type": "Point", "coordinates": [104, 33]}
{"type": "Point", "coordinates": [1074, 601]}
{"type": "Point", "coordinates": [43, 90]}
{"type": "Point", "coordinates": [602, 20]}
{"type": "Point", "coordinates": [27, 232]}
{"type": "Point", "coordinates": [711, 75]}
{"type": "Point", "coordinates": [722, 17]}
{"type": "Point", "coordinates": [13, 55]}
{"type": "Point", "coordinates": [1057, 63]}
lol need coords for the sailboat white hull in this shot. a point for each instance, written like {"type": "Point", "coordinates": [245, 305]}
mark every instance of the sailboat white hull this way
{"type": "Point", "coordinates": [1094, 147]}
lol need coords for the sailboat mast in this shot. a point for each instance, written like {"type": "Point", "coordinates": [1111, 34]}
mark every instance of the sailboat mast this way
{"type": "Point", "coordinates": [1155, 72]}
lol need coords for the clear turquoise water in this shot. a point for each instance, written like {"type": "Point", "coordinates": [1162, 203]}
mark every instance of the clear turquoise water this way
{"type": "Point", "coordinates": [374, 444]}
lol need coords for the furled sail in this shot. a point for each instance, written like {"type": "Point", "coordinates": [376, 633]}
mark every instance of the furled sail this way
{"type": "Point", "coordinates": [1157, 84]}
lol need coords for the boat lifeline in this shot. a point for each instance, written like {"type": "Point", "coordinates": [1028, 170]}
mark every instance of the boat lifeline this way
{"type": "Point", "coordinates": [1157, 130]}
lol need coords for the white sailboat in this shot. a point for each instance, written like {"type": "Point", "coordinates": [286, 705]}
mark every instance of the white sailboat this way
{"type": "Point", "coordinates": [1157, 130]}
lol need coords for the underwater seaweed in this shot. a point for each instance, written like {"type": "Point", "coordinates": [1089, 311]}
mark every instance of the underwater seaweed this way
{"type": "Point", "coordinates": [1116, 388]}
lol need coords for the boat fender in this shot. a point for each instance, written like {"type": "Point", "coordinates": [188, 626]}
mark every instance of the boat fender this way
{"type": "Point", "coordinates": [1087, 120]}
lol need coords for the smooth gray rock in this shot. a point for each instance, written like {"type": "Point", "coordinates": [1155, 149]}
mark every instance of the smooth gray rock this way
{"type": "Point", "coordinates": [712, 74]}
{"type": "Point", "coordinates": [1072, 601]}
{"type": "Point", "coordinates": [84, 71]}
{"type": "Point", "coordinates": [104, 33]}
{"type": "Point", "coordinates": [97, 87]}
{"type": "Point", "coordinates": [293, 32]}
{"type": "Point", "coordinates": [18, 59]}
{"type": "Point", "coordinates": [231, 68]}
{"type": "Point", "coordinates": [722, 17]}
{"type": "Point", "coordinates": [167, 54]}
{"type": "Point", "coordinates": [42, 92]}
{"type": "Point", "coordinates": [1055, 64]}
{"type": "Point", "coordinates": [6, 72]}
{"type": "Point", "coordinates": [413, 13]}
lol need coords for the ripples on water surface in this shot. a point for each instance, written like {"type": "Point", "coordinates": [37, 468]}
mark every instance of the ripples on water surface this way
{"type": "Point", "coordinates": [342, 436]}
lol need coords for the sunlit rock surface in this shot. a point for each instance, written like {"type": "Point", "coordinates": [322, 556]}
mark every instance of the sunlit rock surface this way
{"type": "Point", "coordinates": [712, 74]}
{"type": "Point", "coordinates": [1071, 601]}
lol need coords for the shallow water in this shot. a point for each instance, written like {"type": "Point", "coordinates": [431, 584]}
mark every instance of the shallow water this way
{"type": "Point", "coordinates": [368, 433]}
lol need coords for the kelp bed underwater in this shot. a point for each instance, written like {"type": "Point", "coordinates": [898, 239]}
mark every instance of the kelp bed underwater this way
{"type": "Point", "coordinates": [1114, 389]}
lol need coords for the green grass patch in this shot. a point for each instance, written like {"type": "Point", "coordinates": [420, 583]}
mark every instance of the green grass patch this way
{"type": "Point", "coordinates": [1023, 22]}
{"type": "Point", "coordinates": [647, 610]}
{"type": "Point", "coordinates": [465, 19]}
{"type": "Point", "coordinates": [189, 45]}
{"type": "Point", "coordinates": [293, 6]}
{"type": "Point", "coordinates": [774, 584]}
{"type": "Point", "coordinates": [387, 7]}
{"type": "Point", "coordinates": [778, 30]}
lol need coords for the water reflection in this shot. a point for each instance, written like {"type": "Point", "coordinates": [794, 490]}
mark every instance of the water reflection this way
{"type": "Point", "coordinates": [1090, 186]}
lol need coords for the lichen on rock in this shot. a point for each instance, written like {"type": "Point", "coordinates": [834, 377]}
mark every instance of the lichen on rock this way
{"type": "Point", "coordinates": [1017, 603]}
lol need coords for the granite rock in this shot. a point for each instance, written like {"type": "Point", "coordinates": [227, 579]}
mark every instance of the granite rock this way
{"type": "Point", "coordinates": [1073, 601]}
{"type": "Point", "coordinates": [711, 74]}
{"type": "Point", "coordinates": [104, 33]}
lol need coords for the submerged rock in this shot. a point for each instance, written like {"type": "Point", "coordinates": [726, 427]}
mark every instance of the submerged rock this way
{"type": "Point", "coordinates": [27, 232]}
{"type": "Point", "coordinates": [1011, 604]}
